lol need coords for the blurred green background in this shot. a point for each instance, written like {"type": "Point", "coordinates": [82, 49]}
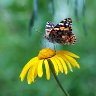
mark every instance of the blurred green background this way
{"type": "Point", "coordinates": [19, 43]}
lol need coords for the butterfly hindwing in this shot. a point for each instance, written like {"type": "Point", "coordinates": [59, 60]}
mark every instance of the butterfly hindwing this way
{"type": "Point", "coordinates": [48, 28]}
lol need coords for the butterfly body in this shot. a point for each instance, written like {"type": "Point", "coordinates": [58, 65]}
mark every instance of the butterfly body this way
{"type": "Point", "coordinates": [61, 33]}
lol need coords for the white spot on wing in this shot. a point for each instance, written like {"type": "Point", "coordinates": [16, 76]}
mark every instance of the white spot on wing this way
{"type": "Point", "coordinates": [48, 26]}
{"type": "Point", "coordinates": [64, 20]}
{"type": "Point", "coordinates": [67, 24]}
{"type": "Point", "coordinates": [56, 28]}
{"type": "Point", "coordinates": [48, 30]}
{"type": "Point", "coordinates": [61, 24]}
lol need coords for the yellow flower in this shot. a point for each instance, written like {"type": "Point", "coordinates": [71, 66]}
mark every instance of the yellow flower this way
{"type": "Point", "coordinates": [61, 60]}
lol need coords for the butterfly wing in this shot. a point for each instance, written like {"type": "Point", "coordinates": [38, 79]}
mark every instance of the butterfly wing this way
{"type": "Point", "coordinates": [65, 24]}
{"type": "Point", "coordinates": [48, 28]}
{"type": "Point", "coordinates": [62, 33]}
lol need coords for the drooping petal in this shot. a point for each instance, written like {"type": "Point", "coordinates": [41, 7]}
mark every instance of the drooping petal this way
{"type": "Point", "coordinates": [31, 74]}
{"type": "Point", "coordinates": [70, 54]}
{"type": "Point", "coordinates": [27, 66]}
{"type": "Point", "coordinates": [67, 53]}
{"type": "Point", "coordinates": [68, 63]}
{"type": "Point", "coordinates": [40, 69]}
{"type": "Point", "coordinates": [59, 64]}
{"type": "Point", "coordinates": [63, 63]}
{"type": "Point", "coordinates": [55, 65]}
{"type": "Point", "coordinates": [35, 72]}
{"type": "Point", "coordinates": [47, 69]}
{"type": "Point", "coordinates": [72, 61]}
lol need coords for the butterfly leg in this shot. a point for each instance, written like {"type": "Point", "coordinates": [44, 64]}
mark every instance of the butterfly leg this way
{"type": "Point", "coordinates": [54, 47]}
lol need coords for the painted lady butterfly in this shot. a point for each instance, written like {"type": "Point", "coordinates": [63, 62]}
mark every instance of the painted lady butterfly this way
{"type": "Point", "coordinates": [61, 33]}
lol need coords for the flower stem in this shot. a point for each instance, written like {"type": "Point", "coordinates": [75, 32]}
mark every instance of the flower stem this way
{"type": "Point", "coordinates": [57, 80]}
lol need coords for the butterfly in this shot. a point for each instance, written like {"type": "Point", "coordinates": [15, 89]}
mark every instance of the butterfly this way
{"type": "Point", "coordinates": [61, 33]}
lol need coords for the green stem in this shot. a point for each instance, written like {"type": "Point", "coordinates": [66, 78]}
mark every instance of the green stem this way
{"type": "Point", "coordinates": [58, 82]}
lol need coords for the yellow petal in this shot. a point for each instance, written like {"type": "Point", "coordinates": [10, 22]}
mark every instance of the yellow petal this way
{"type": "Point", "coordinates": [35, 72]}
{"type": "Point", "coordinates": [47, 69]}
{"type": "Point", "coordinates": [55, 65]}
{"type": "Point", "coordinates": [72, 61]}
{"type": "Point", "coordinates": [27, 66]}
{"type": "Point", "coordinates": [40, 69]}
{"type": "Point", "coordinates": [63, 63]}
{"type": "Point", "coordinates": [59, 64]}
{"type": "Point", "coordinates": [31, 74]}
{"type": "Point", "coordinates": [70, 54]}
{"type": "Point", "coordinates": [68, 63]}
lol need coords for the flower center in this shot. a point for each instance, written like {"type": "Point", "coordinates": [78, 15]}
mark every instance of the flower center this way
{"type": "Point", "coordinates": [46, 53]}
